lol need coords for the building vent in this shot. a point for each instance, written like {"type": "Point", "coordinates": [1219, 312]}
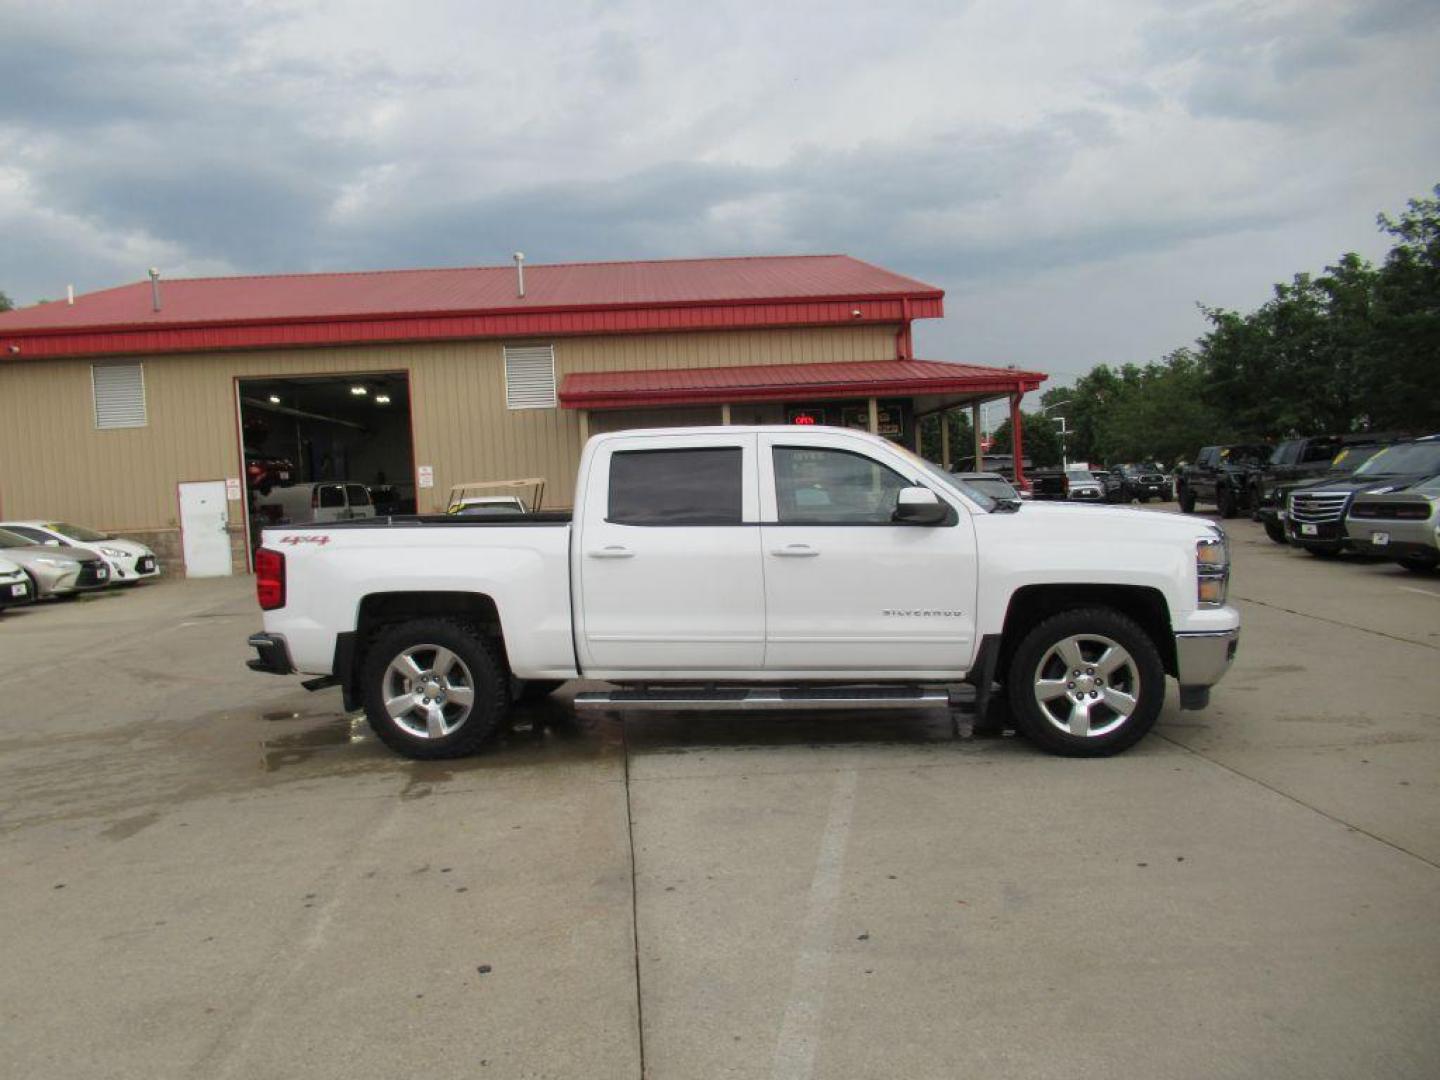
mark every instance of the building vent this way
{"type": "Point", "coordinates": [119, 395]}
{"type": "Point", "coordinates": [530, 377]}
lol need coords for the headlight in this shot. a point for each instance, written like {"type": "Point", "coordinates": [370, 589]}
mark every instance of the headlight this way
{"type": "Point", "coordinates": [63, 564]}
{"type": "Point", "coordinates": [115, 553]}
{"type": "Point", "coordinates": [1212, 571]}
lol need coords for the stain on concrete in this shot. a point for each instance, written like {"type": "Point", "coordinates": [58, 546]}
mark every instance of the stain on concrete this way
{"type": "Point", "coordinates": [126, 827]}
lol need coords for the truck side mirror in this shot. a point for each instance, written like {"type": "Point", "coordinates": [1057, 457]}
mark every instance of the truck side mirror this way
{"type": "Point", "coordinates": [918, 506]}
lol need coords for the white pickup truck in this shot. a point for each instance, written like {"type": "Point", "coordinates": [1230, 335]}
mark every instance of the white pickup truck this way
{"type": "Point", "coordinates": [755, 568]}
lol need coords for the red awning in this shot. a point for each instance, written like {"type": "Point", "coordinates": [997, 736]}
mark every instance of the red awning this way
{"type": "Point", "coordinates": [786, 382]}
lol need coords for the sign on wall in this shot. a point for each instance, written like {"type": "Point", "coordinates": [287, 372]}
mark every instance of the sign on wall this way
{"type": "Point", "coordinates": [425, 476]}
{"type": "Point", "coordinates": [232, 489]}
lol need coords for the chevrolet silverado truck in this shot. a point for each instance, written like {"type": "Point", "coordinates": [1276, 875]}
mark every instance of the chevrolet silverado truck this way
{"type": "Point", "coordinates": [755, 568]}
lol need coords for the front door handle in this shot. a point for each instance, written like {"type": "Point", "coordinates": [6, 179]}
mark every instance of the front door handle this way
{"type": "Point", "coordinates": [613, 551]}
{"type": "Point", "coordinates": [795, 551]}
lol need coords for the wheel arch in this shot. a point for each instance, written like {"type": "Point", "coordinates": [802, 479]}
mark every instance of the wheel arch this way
{"type": "Point", "coordinates": [379, 610]}
{"type": "Point", "coordinates": [1033, 604]}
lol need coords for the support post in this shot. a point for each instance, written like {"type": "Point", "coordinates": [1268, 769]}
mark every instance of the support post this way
{"type": "Point", "coordinates": [725, 414]}
{"type": "Point", "coordinates": [945, 439]}
{"type": "Point", "coordinates": [975, 430]}
{"type": "Point", "coordinates": [874, 417]}
{"type": "Point", "coordinates": [584, 427]}
{"type": "Point", "coordinates": [1017, 439]}
{"type": "Point", "coordinates": [919, 441]}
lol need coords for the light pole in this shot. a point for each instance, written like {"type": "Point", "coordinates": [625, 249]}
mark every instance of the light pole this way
{"type": "Point", "coordinates": [1063, 429]}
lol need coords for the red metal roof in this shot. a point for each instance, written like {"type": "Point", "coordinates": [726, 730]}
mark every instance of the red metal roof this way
{"type": "Point", "coordinates": [397, 305]}
{"type": "Point", "coordinates": [783, 382]}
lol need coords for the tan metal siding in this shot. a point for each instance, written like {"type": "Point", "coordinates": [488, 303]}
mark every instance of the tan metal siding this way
{"type": "Point", "coordinates": [55, 464]}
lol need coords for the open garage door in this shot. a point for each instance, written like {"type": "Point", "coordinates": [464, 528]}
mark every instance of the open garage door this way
{"type": "Point", "coordinates": [326, 448]}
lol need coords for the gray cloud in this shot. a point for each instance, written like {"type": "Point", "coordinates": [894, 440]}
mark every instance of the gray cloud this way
{"type": "Point", "coordinates": [972, 147]}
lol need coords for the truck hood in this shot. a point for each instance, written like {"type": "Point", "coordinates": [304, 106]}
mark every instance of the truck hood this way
{"type": "Point", "coordinates": [1113, 520]}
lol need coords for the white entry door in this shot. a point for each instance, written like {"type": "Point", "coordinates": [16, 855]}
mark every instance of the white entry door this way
{"type": "Point", "coordinates": [204, 518]}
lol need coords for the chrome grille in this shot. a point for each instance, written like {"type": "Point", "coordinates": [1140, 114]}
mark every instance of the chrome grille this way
{"type": "Point", "coordinates": [1318, 507]}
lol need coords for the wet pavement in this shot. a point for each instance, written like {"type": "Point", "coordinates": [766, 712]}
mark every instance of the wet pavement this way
{"type": "Point", "coordinates": [210, 873]}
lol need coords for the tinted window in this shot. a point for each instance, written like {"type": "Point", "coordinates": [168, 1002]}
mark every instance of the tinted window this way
{"type": "Point", "coordinates": [359, 496]}
{"type": "Point", "coordinates": [828, 487]}
{"type": "Point", "coordinates": [676, 487]}
{"type": "Point", "coordinates": [331, 495]}
{"type": "Point", "coordinates": [12, 539]}
{"type": "Point", "coordinates": [1418, 457]}
{"type": "Point", "coordinates": [32, 536]}
{"type": "Point", "coordinates": [77, 532]}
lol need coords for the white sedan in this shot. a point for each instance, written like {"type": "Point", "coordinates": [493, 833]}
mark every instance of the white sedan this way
{"type": "Point", "coordinates": [130, 561]}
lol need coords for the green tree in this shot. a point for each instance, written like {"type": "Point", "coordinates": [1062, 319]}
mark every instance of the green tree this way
{"type": "Point", "coordinates": [1401, 379]}
{"type": "Point", "coordinates": [962, 439]}
{"type": "Point", "coordinates": [1040, 436]}
{"type": "Point", "coordinates": [5, 303]}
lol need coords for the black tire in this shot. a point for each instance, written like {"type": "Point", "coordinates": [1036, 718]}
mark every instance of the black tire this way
{"type": "Point", "coordinates": [1187, 500]}
{"type": "Point", "coordinates": [1035, 660]}
{"type": "Point", "coordinates": [1419, 564]}
{"type": "Point", "coordinates": [1276, 532]}
{"type": "Point", "coordinates": [480, 671]}
{"type": "Point", "coordinates": [1225, 502]}
{"type": "Point", "coordinates": [537, 689]}
{"type": "Point", "coordinates": [1142, 499]}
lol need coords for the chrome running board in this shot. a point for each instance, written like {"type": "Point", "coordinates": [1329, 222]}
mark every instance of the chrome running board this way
{"type": "Point", "coordinates": [696, 699]}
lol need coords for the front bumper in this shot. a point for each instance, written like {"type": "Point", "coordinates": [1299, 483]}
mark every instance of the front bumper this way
{"type": "Point", "coordinates": [1315, 532]}
{"type": "Point", "coordinates": [1202, 657]}
{"type": "Point", "coordinates": [134, 567]}
{"type": "Point", "coordinates": [272, 655]}
{"type": "Point", "coordinates": [15, 590]}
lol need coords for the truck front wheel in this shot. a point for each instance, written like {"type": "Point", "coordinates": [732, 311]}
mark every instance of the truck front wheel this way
{"type": "Point", "coordinates": [433, 689]}
{"type": "Point", "coordinates": [1086, 683]}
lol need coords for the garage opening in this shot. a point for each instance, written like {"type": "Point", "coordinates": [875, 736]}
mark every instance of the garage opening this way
{"type": "Point", "coordinates": [326, 448]}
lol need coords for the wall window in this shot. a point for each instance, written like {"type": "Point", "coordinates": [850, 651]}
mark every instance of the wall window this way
{"type": "Point", "coordinates": [676, 487]}
{"type": "Point", "coordinates": [530, 376]}
{"type": "Point", "coordinates": [833, 487]}
{"type": "Point", "coordinates": [119, 391]}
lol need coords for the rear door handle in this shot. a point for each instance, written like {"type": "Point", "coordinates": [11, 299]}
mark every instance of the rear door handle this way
{"type": "Point", "coordinates": [613, 551]}
{"type": "Point", "coordinates": [795, 551]}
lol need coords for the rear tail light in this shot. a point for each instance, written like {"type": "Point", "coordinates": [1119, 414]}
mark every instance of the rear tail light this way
{"type": "Point", "coordinates": [270, 579]}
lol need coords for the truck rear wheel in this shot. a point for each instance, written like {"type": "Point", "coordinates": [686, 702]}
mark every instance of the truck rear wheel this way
{"type": "Point", "coordinates": [1086, 683]}
{"type": "Point", "coordinates": [1225, 501]}
{"type": "Point", "coordinates": [433, 689]}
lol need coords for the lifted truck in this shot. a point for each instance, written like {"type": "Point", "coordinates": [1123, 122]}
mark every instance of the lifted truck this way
{"type": "Point", "coordinates": [755, 568]}
{"type": "Point", "coordinates": [1220, 476]}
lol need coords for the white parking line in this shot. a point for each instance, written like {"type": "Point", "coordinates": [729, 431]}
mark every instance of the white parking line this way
{"type": "Point", "coordinates": [1422, 592]}
{"type": "Point", "coordinates": [800, 1030]}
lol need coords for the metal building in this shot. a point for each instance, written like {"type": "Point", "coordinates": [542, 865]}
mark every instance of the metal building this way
{"type": "Point", "coordinates": [166, 410]}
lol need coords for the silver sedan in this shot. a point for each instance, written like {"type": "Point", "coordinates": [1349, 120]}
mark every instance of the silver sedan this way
{"type": "Point", "coordinates": [55, 571]}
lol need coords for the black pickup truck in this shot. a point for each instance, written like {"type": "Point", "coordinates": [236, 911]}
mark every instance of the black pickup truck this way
{"type": "Point", "coordinates": [1221, 476]}
{"type": "Point", "coordinates": [1298, 461]}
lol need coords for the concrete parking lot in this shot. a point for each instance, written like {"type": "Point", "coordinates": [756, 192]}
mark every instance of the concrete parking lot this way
{"type": "Point", "coordinates": [210, 873]}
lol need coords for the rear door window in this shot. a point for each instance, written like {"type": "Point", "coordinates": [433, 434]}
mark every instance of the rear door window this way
{"type": "Point", "coordinates": [676, 487]}
{"type": "Point", "coordinates": [331, 496]}
{"type": "Point", "coordinates": [358, 493]}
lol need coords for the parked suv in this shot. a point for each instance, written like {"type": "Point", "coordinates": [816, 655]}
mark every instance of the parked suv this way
{"type": "Point", "coordinates": [1316, 511]}
{"type": "Point", "coordinates": [1274, 495]}
{"type": "Point", "coordinates": [1220, 476]}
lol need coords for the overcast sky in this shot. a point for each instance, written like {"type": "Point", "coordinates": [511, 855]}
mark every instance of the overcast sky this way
{"type": "Point", "coordinates": [1076, 176]}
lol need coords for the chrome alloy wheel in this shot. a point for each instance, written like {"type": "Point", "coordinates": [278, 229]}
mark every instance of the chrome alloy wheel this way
{"type": "Point", "coordinates": [1087, 685]}
{"type": "Point", "coordinates": [428, 691]}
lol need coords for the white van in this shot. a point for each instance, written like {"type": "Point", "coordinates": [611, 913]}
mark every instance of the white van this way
{"type": "Point", "coordinates": [317, 503]}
